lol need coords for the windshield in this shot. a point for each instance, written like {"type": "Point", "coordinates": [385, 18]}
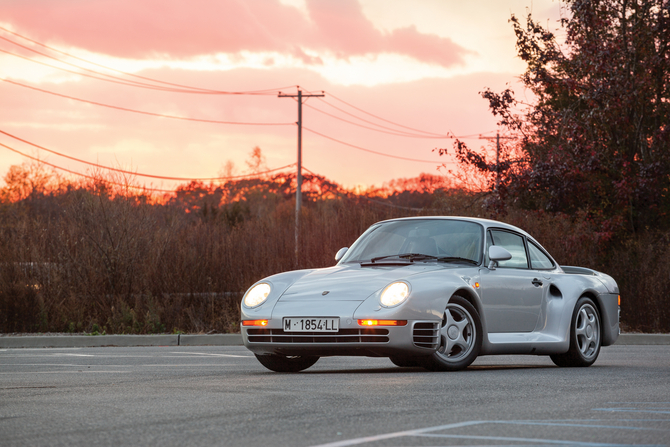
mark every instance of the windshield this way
{"type": "Point", "coordinates": [440, 239]}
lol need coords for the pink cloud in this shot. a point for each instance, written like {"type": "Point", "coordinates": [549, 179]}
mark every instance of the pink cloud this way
{"type": "Point", "coordinates": [129, 28]}
{"type": "Point", "coordinates": [174, 28]}
{"type": "Point", "coordinates": [343, 28]}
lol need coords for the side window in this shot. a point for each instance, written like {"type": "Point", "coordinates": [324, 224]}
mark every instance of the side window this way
{"type": "Point", "coordinates": [538, 260]}
{"type": "Point", "coordinates": [514, 244]}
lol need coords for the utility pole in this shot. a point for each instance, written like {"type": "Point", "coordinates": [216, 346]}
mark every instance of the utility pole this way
{"type": "Point", "coordinates": [298, 189]}
{"type": "Point", "coordinates": [497, 137]}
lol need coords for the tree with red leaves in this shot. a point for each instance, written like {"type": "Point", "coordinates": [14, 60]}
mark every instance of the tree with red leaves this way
{"type": "Point", "coordinates": [597, 137]}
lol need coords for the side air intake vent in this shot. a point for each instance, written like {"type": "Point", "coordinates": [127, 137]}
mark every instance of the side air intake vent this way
{"type": "Point", "coordinates": [426, 335]}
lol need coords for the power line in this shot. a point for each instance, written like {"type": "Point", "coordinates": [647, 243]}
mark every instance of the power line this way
{"type": "Point", "coordinates": [221, 122]}
{"type": "Point", "coordinates": [143, 112]}
{"type": "Point", "coordinates": [370, 128]}
{"type": "Point", "coordinates": [191, 89]}
{"type": "Point", "coordinates": [125, 81]}
{"type": "Point", "coordinates": [130, 84]}
{"type": "Point", "coordinates": [83, 175]}
{"type": "Point", "coordinates": [144, 188]}
{"type": "Point", "coordinates": [375, 124]}
{"type": "Point", "coordinates": [421, 134]}
{"type": "Point", "coordinates": [391, 131]}
{"type": "Point", "coordinates": [121, 81]}
{"type": "Point", "coordinates": [375, 152]}
{"type": "Point", "coordinates": [383, 119]}
{"type": "Point", "coordinates": [122, 171]}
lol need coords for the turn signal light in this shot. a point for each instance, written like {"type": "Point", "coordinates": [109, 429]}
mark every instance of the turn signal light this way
{"type": "Point", "coordinates": [382, 322]}
{"type": "Point", "coordinates": [255, 323]}
{"type": "Point", "coordinates": [619, 300]}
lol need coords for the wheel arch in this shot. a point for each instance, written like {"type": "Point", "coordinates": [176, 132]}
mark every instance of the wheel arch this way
{"type": "Point", "coordinates": [594, 297]}
{"type": "Point", "coordinates": [572, 287]}
{"type": "Point", "coordinates": [471, 296]}
{"type": "Point", "coordinates": [457, 350]}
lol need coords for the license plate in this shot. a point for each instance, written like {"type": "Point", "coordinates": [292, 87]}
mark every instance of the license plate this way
{"type": "Point", "coordinates": [310, 324]}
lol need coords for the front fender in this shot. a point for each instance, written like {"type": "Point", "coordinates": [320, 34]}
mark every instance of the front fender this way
{"type": "Point", "coordinates": [279, 283]}
{"type": "Point", "coordinates": [429, 295]}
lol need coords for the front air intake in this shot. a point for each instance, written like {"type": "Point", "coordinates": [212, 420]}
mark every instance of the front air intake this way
{"type": "Point", "coordinates": [426, 335]}
{"type": "Point", "coordinates": [364, 335]}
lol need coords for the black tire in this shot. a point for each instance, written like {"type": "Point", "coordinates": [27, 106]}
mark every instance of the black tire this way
{"type": "Point", "coordinates": [405, 362]}
{"type": "Point", "coordinates": [460, 337]}
{"type": "Point", "coordinates": [584, 336]}
{"type": "Point", "coordinates": [280, 363]}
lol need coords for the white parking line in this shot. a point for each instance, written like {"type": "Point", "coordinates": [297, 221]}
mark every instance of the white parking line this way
{"type": "Point", "coordinates": [398, 434]}
{"type": "Point", "coordinates": [638, 403]}
{"type": "Point", "coordinates": [564, 424]}
{"type": "Point", "coordinates": [96, 365]}
{"type": "Point", "coordinates": [64, 365]}
{"type": "Point", "coordinates": [428, 432]}
{"type": "Point", "coordinates": [63, 372]}
{"type": "Point", "coordinates": [631, 410]}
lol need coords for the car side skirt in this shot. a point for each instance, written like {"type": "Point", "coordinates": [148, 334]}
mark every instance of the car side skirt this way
{"type": "Point", "coordinates": [533, 343]}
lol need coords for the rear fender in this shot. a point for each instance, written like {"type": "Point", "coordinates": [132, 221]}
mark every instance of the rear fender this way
{"type": "Point", "coordinates": [559, 304]}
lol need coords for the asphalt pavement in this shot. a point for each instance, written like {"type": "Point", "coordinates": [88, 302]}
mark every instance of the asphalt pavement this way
{"type": "Point", "coordinates": [92, 341]}
{"type": "Point", "coordinates": [222, 396]}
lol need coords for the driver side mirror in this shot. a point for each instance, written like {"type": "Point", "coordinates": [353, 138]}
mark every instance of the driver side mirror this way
{"type": "Point", "coordinates": [340, 253]}
{"type": "Point", "coordinates": [496, 254]}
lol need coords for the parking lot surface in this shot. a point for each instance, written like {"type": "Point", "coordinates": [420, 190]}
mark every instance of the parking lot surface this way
{"type": "Point", "coordinates": [197, 396]}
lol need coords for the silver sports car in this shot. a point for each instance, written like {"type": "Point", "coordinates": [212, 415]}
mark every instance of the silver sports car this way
{"type": "Point", "coordinates": [434, 292]}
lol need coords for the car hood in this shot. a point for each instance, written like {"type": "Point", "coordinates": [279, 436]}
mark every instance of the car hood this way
{"type": "Point", "coordinates": [350, 283]}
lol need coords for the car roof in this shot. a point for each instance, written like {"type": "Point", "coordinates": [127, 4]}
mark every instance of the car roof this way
{"type": "Point", "coordinates": [486, 223]}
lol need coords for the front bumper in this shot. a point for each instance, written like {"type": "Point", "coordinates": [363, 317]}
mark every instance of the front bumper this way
{"type": "Point", "coordinates": [415, 339]}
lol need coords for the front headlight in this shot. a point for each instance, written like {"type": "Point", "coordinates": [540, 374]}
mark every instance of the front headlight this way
{"type": "Point", "coordinates": [394, 294]}
{"type": "Point", "coordinates": [257, 295]}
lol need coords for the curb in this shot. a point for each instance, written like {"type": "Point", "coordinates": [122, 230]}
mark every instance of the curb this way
{"type": "Point", "coordinates": [643, 339]}
{"type": "Point", "coordinates": [97, 341]}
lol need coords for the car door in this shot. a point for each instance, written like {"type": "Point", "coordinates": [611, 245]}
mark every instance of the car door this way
{"type": "Point", "coordinates": [512, 292]}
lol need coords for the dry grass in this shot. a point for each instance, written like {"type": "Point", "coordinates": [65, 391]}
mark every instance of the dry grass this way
{"type": "Point", "coordinates": [85, 258]}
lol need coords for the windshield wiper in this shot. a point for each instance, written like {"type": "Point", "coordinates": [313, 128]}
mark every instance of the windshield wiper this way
{"type": "Point", "coordinates": [457, 259]}
{"type": "Point", "coordinates": [411, 257]}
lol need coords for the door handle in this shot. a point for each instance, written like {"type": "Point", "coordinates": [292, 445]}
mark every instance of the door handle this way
{"type": "Point", "coordinates": [536, 282]}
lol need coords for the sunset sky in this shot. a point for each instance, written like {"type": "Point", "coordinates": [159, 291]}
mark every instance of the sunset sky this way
{"type": "Point", "coordinates": [396, 75]}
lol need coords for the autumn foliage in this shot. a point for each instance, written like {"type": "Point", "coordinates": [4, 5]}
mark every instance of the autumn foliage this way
{"type": "Point", "coordinates": [97, 257]}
